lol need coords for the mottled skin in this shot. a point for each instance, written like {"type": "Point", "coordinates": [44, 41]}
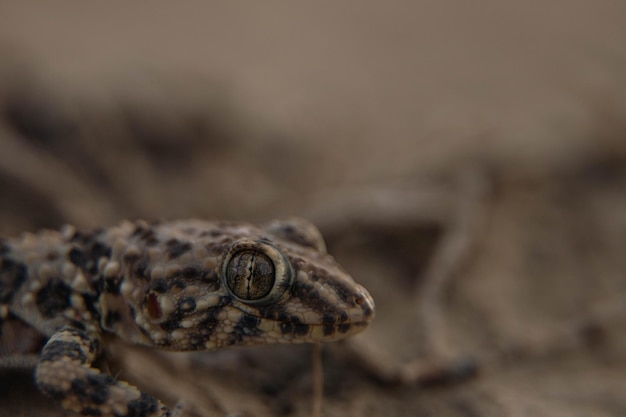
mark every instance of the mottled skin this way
{"type": "Point", "coordinates": [182, 285]}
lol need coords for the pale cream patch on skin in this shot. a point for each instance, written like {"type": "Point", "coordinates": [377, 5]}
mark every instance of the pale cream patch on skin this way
{"type": "Point", "coordinates": [112, 269]}
{"type": "Point", "coordinates": [80, 282]}
{"type": "Point", "coordinates": [28, 298]}
{"type": "Point", "coordinates": [132, 251]}
{"type": "Point", "coordinates": [155, 254]}
{"type": "Point", "coordinates": [172, 270]}
{"type": "Point", "coordinates": [167, 305]}
{"type": "Point", "coordinates": [127, 288]}
{"type": "Point", "coordinates": [77, 301]}
{"type": "Point", "coordinates": [158, 272]}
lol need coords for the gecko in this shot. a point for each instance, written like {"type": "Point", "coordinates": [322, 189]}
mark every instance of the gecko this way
{"type": "Point", "coordinates": [184, 285]}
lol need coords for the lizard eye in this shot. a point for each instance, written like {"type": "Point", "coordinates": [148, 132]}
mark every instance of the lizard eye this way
{"type": "Point", "coordinates": [256, 272]}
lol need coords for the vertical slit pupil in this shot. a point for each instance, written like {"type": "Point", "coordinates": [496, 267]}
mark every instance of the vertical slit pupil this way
{"type": "Point", "coordinates": [250, 274]}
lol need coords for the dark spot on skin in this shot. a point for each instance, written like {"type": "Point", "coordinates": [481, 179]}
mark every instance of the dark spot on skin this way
{"type": "Point", "coordinates": [347, 296]}
{"type": "Point", "coordinates": [76, 256]}
{"type": "Point", "coordinates": [175, 248]}
{"type": "Point", "coordinates": [140, 270]}
{"type": "Point", "coordinates": [248, 322]}
{"type": "Point", "coordinates": [94, 346]}
{"type": "Point", "coordinates": [112, 285]}
{"type": "Point", "coordinates": [209, 276]}
{"type": "Point", "coordinates": [213, 248]}
{"type": "Point", "coordinates": [225, 300]}
{"type": "Point", "coordinates": [178, 283]}
{"type": "Point", "coordinates": [343, 328]}
{"type": "Point", "coordinates": [305, 288]}
{"type": "Point", "coordinates": [12, 276]}
{"type": "Point", "coordinates": [95, 388]}
{"type": "Point", "coordinates": [81, 237]}
{"type": "Point", "coordinates": [76, 333]}
{"type": "Point", "coordinates": [52, 256]}
{"type": "Point", "coordinates": [329, 329]}
{"type": "Point", "coordinates": [170, 325]}
{"type": "Point", "coordinates": [286, 328]}
{"type": "Point", "coordinates": [306, 292]}
{"type": "Point", "coordinates": [58, 349]}
{"type": "Point", "coordinates": [191, 271]}
{"type": "Point", "coordinates": [78, 324]}
{"type": "Point", "coordinates": [131, 257]}
{"type": "Point", "coordinates": [277, 312]}
{"type": "Point", "coordinates": [246, 326]}
{"type": "Point", "coordinates": [328, 319]}
{"type": "Point", "coordinates": [187, 304]}
{"type": "Point", "coordinates": [152, 241]}
{"type": "Point", "coordinates": [209, 322]}
{"type": "Point", "coordinates": [343, 316]}
{"type": "Point", "coordinates": [293, 325]}
{"type": "Point", "coordinates": [53, 298]}
{"type": "Point", "coordinates": [159, 285]}
{"type": "Point", "coordinates": [145, 234]}
{"type": "Point", "coordinates": [139, 230]}
{"type": "Point", "coordinates": [99, 250]}
{"type": "Point", "coordinates": [343, 291]}
{"type": "Point", "coordinates": [144, 406]}
{"type": "Point", "coordinates": [301, 329]}
{"type": "Point", "coordinates": [111, 318]}
{"type": "Point", "coordinates": [90, 304]}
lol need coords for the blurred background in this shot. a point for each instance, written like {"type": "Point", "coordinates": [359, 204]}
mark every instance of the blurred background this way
{"type": "Point", "coordinates": [465, 161]}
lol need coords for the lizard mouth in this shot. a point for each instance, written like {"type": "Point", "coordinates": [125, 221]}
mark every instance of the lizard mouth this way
{"type": "Point", "coordinates": [322, 333]}
{"type": "Point", "coordinates": [346, 323]}
{"type": "Point", "coordinates": [285, 326]}
{"type": "Point", "coordinates": [287, 332]}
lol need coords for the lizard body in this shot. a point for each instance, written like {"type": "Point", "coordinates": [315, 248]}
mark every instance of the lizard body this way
{"type": "Point", "coordinates": [184, 285]}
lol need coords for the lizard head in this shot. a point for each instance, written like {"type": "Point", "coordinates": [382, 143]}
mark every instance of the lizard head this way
{"type": "Point", "coordinates": [237, 284]}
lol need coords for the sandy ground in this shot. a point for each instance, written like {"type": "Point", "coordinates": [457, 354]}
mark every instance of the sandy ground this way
{"type": "Point", "coordinates": [467, 163]}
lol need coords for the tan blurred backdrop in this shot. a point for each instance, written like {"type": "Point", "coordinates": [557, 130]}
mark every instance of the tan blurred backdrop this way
{"type": "Point", "coordinates": [363, 116]}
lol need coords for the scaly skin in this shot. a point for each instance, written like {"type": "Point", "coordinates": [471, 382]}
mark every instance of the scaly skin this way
{"type": "Point", "coordinates": [182, 285]}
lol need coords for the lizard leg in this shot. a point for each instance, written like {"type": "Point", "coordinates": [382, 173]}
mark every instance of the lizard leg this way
{"type": "Point", "coordinates": [65, 373]}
